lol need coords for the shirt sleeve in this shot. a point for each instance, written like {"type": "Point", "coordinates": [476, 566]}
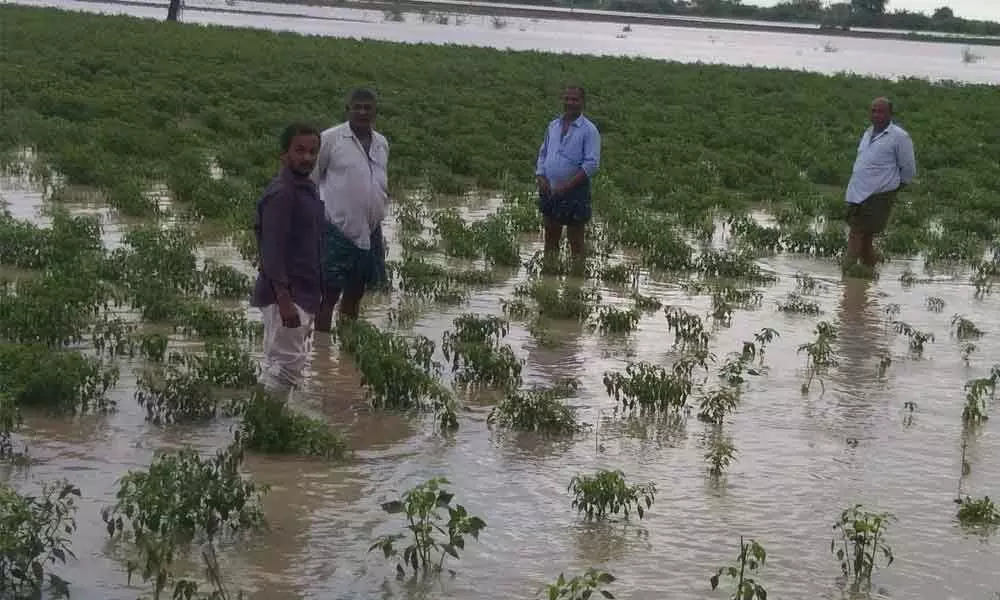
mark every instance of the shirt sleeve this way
{"type": "Point", "coordinates": [542, 151]}
{"type": "Point", "coordinates": [275, 227]}
{"type": "Point", "coordinates": [906, 159]}
{"type": "Point", "coordinates": [388, 200]}
{"type": "Point", "coordinates": [591, 152]}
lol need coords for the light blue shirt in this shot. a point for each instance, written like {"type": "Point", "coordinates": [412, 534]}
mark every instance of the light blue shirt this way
{"type": "Point", "coordinates": [884, 161]}
{"type": "Point", "coordinates": [560, 157]}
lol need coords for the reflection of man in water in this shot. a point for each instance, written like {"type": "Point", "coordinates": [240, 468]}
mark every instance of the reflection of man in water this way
{"type": "Point", "coordinates": [567, 160]}
{"type": "Point", "coordinates": [858, 339]}
{"type": "Point", "coordinates": [885, 165]}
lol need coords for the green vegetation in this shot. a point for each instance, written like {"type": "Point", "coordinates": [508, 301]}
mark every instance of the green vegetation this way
{"type": "Point", "coordinates": [749, 562]}
{"type": "Point", "coordinates": [131, 113]}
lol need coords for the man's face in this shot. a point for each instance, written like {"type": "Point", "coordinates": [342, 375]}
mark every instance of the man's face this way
{"type": "Point", "coordinates": [880, 114]}
{"type": "Point", "coordinates": [572, 102]}
{"type": "Point", "coordinates": [301, 154]}
{"type": "Point", "coordinates": [361, 113]}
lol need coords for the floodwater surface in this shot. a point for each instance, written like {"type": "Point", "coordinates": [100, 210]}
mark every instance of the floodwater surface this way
{"type": "Point", "coordinates": [801, 459]}
{"type": "Point", "coordinates": [819, 53]}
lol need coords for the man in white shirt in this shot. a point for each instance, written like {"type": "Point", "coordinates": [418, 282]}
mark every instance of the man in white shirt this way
{"type": "Point", "coordinates": [885, 165]}
{"type": "Point", "coordinates": [353, 184]}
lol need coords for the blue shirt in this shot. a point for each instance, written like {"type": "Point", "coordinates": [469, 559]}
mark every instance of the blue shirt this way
{"type": "Point", "coordinates": [560, 157]}
{"type": "Point", "coordinates": [884, 161]}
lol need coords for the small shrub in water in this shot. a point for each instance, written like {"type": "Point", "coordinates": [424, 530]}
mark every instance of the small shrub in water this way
{"type": "Point", "coordinates": [978, 512]}
{"type": "Point", "coordinates": [862, 540]}
{"type": "Point", "coordinates": [613, 320]}
{"type": "Point", "coordinates": [607, 493]}
{"type": "Point", "coordinates": [270, 426]}
{"type": "Point", "coordinates": [581, 587]}
{"type": "Point", "coordinates": [719, 455]}
{"type": "Point", "coordinates": [649, 387]}
{"type": "Point", "coordinates": [820, 354]}
{"type": "Point", "coordinates": [965, 329]}
{"type": "Point", "coordinates": [716, 404]}
{"type": "Point", "coordinates": [751, 558]}
{"type": "Point", "coordinates": [431, 542]}
{"type": "Point", "coordinates": [537, 410]}
{"type": "Point", "coordinates": [34, 533]}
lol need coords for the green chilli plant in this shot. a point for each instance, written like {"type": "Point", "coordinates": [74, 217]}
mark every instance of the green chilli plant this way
{"type": "Point", "coordinates": [861, 542]}
{"type": "Point", "coordinates": [740, 364]}
{"type": "Point", "coordinates": [432, 539]}
{"type": "Point", "coordinates": [689, 330]}
{"type": "Point", "coordinates": [934, 304]}
{"type": "Point", "coordinates": [181, 498]}
{"type": "Point", "coordinates": [978, 393]}
{"type": "Point", "coordinates": [34, 535]}
{"type": "Point", "coordinates": [581, 587]}
{"type": "Point", "coordinates": [539, 410]}
{"type": "Point", "coordinates": [978, 513]}
{"type": "Point", "coordinates": [795, 303]}
{"type": "Point", "coordinates": [716, 404]}
{"type": "Point", "coordinates": [916, 338]}
{"type": "Point", "coordinates": [608, 493]}
{"type": "Point", "coordinates": [614, 320]}
{"type": "Point", "coordinates": [650, 388]}
{"type": "Point", "coordinates": [476, 355]}
{"type": "Point", "coordinates": [964, 329]}
{"type": "Point", "coordinates": [720, 454]}
{"type": "Point", "coordinates": [743, 573]}
{"type": "Point", "coordinates": [820, 354]}
{"type": "Point", "coordinates": [269, 425]}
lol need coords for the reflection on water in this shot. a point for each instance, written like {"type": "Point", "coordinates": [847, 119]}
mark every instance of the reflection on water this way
{"type": "Point", "coordinates": [766, 49]}
{"type": "Point", "coordinates": [794, 469]}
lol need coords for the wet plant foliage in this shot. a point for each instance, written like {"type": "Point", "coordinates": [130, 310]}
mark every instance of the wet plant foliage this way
{"type": "Point", "coordinates": [606, 493]}
{"type": "Point", "coordinates": [580, 587]}
{"type": "Point", "coordinates": [81, 309]}
{"type": "Point", "coordinates": [743, 573]}
{"type": "Point", "coordinates": [432, 537]}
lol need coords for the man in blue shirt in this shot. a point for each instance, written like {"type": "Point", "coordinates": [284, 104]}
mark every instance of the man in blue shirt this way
{"type": "Point", "coordinates": [885, 165]}
{"type": "Point", "coordinates": [567, 161]}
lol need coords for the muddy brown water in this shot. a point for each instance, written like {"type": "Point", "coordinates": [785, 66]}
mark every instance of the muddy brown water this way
{"type": "Point", "coordinates": [795, 469]}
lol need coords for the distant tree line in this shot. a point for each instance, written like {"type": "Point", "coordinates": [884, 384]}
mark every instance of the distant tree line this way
{"type": "Point", "coordinates": [841, 15]}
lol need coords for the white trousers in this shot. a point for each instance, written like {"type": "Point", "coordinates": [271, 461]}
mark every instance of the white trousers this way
{"type": "Point", "coordinates": [286, 350]}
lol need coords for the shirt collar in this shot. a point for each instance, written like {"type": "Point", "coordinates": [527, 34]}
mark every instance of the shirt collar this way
{"type": "Point", "coordinates": [575, 122]}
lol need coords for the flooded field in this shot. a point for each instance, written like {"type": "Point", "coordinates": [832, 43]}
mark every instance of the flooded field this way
{"type": "Point", "coordinates": [800, 458]}
{"type": "Point", "coordinates": [729, 210]}
{"type": "Point", "coordinates": [817, 53]}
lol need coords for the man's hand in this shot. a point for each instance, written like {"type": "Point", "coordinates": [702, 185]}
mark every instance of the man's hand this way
{"type": "Point", "coordinates": [289, 314]}
{"type": "Point", "coordinates": [543, 185]}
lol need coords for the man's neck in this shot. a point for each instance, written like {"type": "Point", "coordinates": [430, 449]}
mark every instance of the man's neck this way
{"type": "Point", "coordinates": [361, 132]}
{"type": "Point", "coordinates": [570, 118]}
{"type": "Point", "coordinates": [876, 129]}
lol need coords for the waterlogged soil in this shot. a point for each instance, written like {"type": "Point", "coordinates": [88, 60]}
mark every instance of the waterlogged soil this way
{"type": "Point", "coordinates": [816, 53]}
{"type": "Point", "coordinates": [800, 459]}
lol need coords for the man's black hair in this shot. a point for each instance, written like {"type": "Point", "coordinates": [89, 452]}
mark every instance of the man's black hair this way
{"type": "Point", "coordinates": [361, 94]}
{"type": "Point", "coordinates": [295, 130]}
{"type": "Point", "coordinates": [579, 88]}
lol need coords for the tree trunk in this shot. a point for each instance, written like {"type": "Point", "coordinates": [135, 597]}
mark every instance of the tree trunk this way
{"type": "Point", "coordinates": [174, 10]}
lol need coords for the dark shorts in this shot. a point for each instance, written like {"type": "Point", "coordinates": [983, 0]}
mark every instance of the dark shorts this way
{"type": "Point", "coordinates": [571, 208]}
{"type": "Point", "coordinates": [345, 266]}
{"type": "Point", "coordinates": [871, 216]}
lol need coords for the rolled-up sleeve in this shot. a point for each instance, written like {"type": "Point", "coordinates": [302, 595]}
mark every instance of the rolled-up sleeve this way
{"type": "Point", "coordinates": [591, 152]}
{"type": "Point", "coordinates": [542, 151]}
{"type": "Point", "coordinates": [275, 227]}
{"type": "Point", "coordinates": [907, 159]}
{"type": "Point", "coordinates": [322, 160]}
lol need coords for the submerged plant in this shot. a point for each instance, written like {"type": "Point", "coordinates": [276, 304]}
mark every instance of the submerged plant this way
{"type": "Point", "coordinates": [861, 543]}
{"type": "Point", "coordinates": [795, 303]}
{"type": "Point", "coordinates": [581, 587]}
{"type": "Point", "coordinates": [607, 493]}
{"type": "Point", "coordinates": [978, 512]}
{"type": "Point", "coordinates": [270, 426]}
{"type": "Point", "coordinates": [432, 538]}
{"type": "Point", "coordinates": [649, 387]}
{"type": "Point", "coordinates": [181, 497]}
{"type": "Point", "coordinates": [539, 410]}
{"type": "Point", "coordinates": [476, 354]}
{"type": "Point", "coordinates": [34, 535]}
{"type": "Point", "coordinates": [964, 329]}
{"type": "Point", "coordinates": [751, 558]}
{"type": "Point", "coordinates": [720, 454]}
{"type": "Point", "coordinates": [716, 404]}
{"type": "Point", "coordinates": [916, 338]}
{"type": "Point", "coordinates": [820, 354]}
{"type": "Point", "coordinates": [689, 330]}
{"type": "Point", "coordinates": [613, 320]}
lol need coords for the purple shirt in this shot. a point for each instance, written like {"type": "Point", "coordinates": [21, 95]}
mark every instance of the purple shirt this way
{"type": "Point", "coordinates": [289, 230]}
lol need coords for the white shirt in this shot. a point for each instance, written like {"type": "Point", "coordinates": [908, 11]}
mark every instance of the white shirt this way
{"type": "Point", "coordinates": [884, 161]}
{"type": "Point", "coordinates": [353, 184]}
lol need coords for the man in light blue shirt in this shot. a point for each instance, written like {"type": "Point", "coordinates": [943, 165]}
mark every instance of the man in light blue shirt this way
{"type": "Point", "coordinates": [567, 161]}
{"type": "Point", "coordinates": [885, 165]}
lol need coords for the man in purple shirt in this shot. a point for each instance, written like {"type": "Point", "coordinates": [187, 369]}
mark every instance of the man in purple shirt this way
{"type": "Point", "coordinates": [567, 161]}
{"type": "Point", "coordinates": [289, 283]}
